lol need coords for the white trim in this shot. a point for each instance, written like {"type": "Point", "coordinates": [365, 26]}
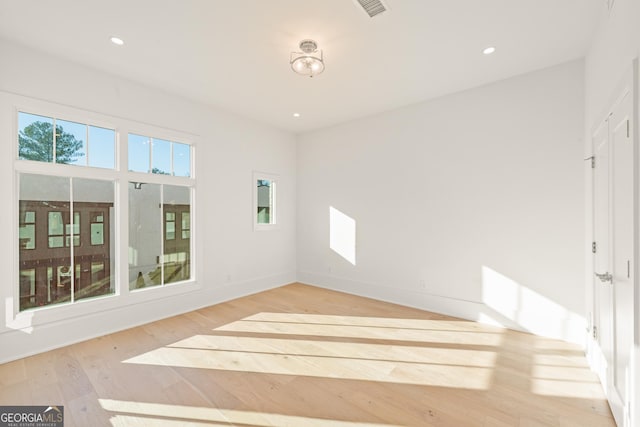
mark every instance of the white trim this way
{"type": "Point", "coordinates": [466, 309]}
{"type": "Point", "coordinates": [18, 343]}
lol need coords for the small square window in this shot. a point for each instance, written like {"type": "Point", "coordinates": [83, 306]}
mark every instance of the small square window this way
{"type": "Point", "coordinates": [264, 201]}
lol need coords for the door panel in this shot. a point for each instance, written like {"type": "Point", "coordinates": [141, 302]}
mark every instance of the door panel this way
{"type": "Point", "coordinates": [622, 203]}
{"type": "Point", "coordinates": [602, 289]}
{"type": "Point", "coordinates": [613, 232]}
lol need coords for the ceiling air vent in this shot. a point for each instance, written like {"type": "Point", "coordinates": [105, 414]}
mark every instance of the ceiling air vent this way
{"type": "Point", "coordinates": [372, 7]}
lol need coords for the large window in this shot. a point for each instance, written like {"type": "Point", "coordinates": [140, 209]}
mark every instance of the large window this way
{"type": "Point", "coordinates": [67, 217]}
{"type": "Point", "coordinates": [159, 234]}
{"type": "Point", "coordinates": [56, 256]}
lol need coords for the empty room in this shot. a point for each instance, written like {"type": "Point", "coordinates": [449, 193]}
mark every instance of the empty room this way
{"type": "Point", "coordinates": [338, 213]}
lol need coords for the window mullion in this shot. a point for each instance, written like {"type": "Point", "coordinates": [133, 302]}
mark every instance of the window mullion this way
{"type": "Point", "coordinates": [87, 160]}
{"type": "Point", "coordinates": [55, 136]}
{"type": "Point", "coordinates": [162, 234]}
{"type": "Point", "coordinates": [72, 260]}
{"type": "Point", "coordinates": [150, 155]}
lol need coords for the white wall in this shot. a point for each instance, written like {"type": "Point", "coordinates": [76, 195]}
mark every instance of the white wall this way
{"type": "Point", "coordinates": [471, 204]}
{"type": "Point", "coordinates": [234, 260]}
{"type": "Point", "coordinates": [616, 43]}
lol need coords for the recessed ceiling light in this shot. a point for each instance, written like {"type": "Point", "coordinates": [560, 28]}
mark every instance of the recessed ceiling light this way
{"type": "Point", "coordinates": [489, 50]}
{"type": "Point", "coordinates": [296, 115]}
{"type": "Point", "coordinates": [117, 40]}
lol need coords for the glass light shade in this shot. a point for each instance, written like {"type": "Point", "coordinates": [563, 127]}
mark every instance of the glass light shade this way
{"type": "Point", "coordinates": [306, 64]}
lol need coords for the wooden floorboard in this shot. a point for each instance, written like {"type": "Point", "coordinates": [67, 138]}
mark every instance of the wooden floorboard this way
{"type": "Point", "coordinates": [304, 356]}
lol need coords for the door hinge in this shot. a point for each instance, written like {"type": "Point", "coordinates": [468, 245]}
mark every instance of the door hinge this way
{"type": "Point", "coordinates": [595, 332]}
{"type": "Point", "coordinates": [628, 131]}
{"type": "Point", "coordinates": [593, 247]}
{"type": "Point", "coordinates": [592, 159]}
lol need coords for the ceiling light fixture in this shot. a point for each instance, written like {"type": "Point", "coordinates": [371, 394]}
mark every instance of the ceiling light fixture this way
{"type": "Point", "coordinates": [308, 62]}
{"type": "Point", "coordinates": [296, 115]}
{"type": "Point", "coordinates": [488, 50]}
{"type": "Point", "coordinates": [117, 40]}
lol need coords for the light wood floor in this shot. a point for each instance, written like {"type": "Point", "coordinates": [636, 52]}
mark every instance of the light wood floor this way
{"type": "Point", "coordinates": [303, 356]}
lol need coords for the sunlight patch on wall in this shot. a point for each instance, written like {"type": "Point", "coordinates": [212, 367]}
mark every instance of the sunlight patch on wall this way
{"type": "Point", "coordinates": [530, 310]}
{"type": "Point", "coordinates": [141, 413]}
{"type": "Point", "coordinates": [342, 235]}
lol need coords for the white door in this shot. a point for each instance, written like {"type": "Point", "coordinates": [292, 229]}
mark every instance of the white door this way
{"type": "Point", "coordinates": [613, 268]}
{"type": "Point", "coordinates": [622, 248]}
{"type": "Point", "coordinates": [603, 290]}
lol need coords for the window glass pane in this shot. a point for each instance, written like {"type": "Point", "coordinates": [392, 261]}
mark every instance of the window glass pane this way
{"type": "Point", "coordinates": [145, 235]}
{"type": "Point", "coordinates": [170, 225]}
{"type": "Point", "coordinates": [170, 230]}
{"type": "Point", "coordinates": [102, 143]}
{"type": "Point", "coordinates": [56, 242]}
{"type": "Point", "coordinates": [98, 272]}
{"type": "Point", "coordinates": [94, 199]}
{"type": "Point", "coordinates": [265, 200]}
{"type": "Point", "coordinates": [186, 225]}
{"type": "Point", "coordinates": [78, 276]}
{"type": "Point", "coordinates": [75, 232]}
{"type": "Point", "coordinates": [71, 144]}
{"type": "Point", "coordinates": [139, 147]}
{"type": "Point", "coordinates": [55, 224]}
{"type": "Point", "coordinates": [27, 236]}
{"type": "Point", "coordinates": [97, 234]}
{"type": "Point", "coordinates": [161, 157]}
{"type": "Point", "coordinates": [177, 250]}
{"type": "Point", "coordinates": [27, 288]}
{"type": "Point", "coordinates": [35, 137]}
{"type": "Point", "coordinates": [181, 159]}
{"type": "Point", "coordinates": [97, 267]}
{"type": "Point", "coordinates": [48, 281]}
{"type": "Point", "coordinates": [27, 230]}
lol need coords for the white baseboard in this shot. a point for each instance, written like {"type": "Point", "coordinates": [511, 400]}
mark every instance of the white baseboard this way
{"type": "Point", "coordinates": [572, 329]}
{"type": "Point", "coordinates": [17, 344]}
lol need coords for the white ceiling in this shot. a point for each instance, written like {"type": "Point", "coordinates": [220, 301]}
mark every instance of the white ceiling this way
{"type": "Point", "coordinates": [234, 54]}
